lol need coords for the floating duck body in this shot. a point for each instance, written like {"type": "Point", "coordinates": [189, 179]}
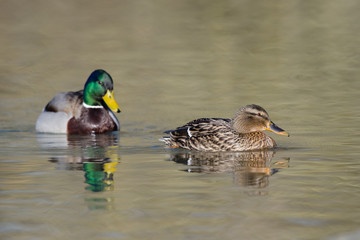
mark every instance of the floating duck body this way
{"type": "Point", "coordinates": [83, 112]}
{"type": "Point", "coordinates": [244, 132]}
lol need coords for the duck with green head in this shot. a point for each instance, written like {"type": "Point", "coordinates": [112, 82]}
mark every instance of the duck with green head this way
{"type": "Point", "coordinates": [243, 132]}
{"type": "Point", "coordinates": [83, 112]}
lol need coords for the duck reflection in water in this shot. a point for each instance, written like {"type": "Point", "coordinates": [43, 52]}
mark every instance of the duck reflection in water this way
{"type": "Point", "coordinates": [96, 155]}
{"type": "Point", "coordinates": [249, 169]}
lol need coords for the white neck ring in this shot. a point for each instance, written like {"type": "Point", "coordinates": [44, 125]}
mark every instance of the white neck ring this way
{"type": "Point", "coordinates": [89, 106]}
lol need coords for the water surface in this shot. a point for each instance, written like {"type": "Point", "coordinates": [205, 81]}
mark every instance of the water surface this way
{"type": "Point", "coordinates": [172, 63]}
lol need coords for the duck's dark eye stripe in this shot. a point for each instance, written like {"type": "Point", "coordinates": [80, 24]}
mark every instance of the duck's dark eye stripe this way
{"type": "Point", "coordinates": [257, 114]}
{"type": "Point", "coordinates": [251, 113]}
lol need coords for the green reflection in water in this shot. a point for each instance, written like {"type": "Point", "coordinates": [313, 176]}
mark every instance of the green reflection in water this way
{"type": "Point", "coordinates": [100, 176]}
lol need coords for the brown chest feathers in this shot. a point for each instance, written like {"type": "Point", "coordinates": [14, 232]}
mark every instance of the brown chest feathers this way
{"type": "Point", "coordinates": [91, 120]}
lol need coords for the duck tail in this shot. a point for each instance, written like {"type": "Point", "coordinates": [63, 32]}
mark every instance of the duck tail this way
{"type": "Point", "coordinates": [166, 140]}
{"type": "Point", "coordinates": [169, 142]}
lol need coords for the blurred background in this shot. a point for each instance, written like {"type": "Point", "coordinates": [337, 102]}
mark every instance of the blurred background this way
{"type": "Point", "coordinates": [172, 62]}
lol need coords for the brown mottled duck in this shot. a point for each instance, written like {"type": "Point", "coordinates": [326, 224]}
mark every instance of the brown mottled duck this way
{"type": "Point", "coordinates": [244, 132]}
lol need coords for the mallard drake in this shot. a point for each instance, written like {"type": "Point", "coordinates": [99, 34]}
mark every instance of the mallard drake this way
{"type": "Point", "coordinates": [241, 133]}
{"type": "Point", "coordinates": [83, 112]}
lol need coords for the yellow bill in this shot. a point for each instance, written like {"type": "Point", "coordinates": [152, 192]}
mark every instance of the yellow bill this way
{"type": "Point", "coordinates": [110, 101]}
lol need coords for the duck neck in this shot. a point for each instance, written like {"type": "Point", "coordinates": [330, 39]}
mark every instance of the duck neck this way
{"type": "Point", "coordinates": [238, 126]}
{"type": "Point", "coordinates": [90, 101]}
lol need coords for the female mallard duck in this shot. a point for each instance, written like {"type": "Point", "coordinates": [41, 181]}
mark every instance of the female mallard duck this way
{"type": "Point", "coordinates": [242, 133]}
{"type": "Point", "coordinates": [82, 112]}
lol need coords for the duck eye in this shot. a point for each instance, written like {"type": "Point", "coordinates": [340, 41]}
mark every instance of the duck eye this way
{"type": "Point", "coordinates": [101, 83]}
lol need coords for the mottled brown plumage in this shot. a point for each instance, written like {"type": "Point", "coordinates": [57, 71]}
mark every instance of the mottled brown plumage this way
{"type": "Point", "coordinates": [241, 133]}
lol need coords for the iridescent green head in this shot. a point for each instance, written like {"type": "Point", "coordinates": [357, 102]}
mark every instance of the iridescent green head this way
{"type": "Point", "coordinates": [98, 90]}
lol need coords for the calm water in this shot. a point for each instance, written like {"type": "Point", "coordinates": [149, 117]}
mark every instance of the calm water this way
{"type": "Point", "coordinates": [171, 63]}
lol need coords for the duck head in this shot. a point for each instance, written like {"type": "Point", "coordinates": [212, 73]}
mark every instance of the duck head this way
{"type": "Point", "coordinates": [98, 90]}
{"type": "Point", "coordinates": [253, 118]}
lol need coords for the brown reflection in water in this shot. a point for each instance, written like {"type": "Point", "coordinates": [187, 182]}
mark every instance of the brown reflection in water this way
{"type": "Point", "coordinates": [249, 169]}
{"type": "Point", "coordinates": [96, 155]}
